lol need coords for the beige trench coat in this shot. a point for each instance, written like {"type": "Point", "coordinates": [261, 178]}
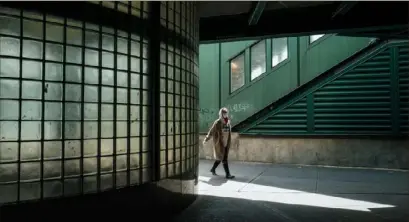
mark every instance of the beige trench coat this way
{"type": "Point", "coordinates": [215, 133]}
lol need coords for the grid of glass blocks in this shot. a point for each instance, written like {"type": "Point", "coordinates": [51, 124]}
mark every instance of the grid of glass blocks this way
{"type": "Point", "coordinates": [179, 91]}
{"type": "Point", "coordinates": [137, 8]}
{"type": "Point", "coordinates": [73, 107]}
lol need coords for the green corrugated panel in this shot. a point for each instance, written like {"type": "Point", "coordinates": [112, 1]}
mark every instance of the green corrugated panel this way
{"type": "Point", "coordinates": [357, 101]}
{"type": "Point", "coordinates": [404, 87]}
{"type": "Point", "coordinates": [290, 120]}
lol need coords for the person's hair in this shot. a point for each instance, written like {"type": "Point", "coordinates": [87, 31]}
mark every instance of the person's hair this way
{"type": "Point", "coordinates": [223, 110]}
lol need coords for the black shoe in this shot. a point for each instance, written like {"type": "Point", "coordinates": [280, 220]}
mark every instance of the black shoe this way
{"type": "Point", "coordinates": [226, 169]}
{"type": "Point", "coordinates": [215, 165]}
{"type": "Point", "coordinates": [229, 177]}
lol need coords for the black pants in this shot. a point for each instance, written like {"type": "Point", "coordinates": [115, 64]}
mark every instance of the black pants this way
{"type": "Point", "coordinates": [225, 164]}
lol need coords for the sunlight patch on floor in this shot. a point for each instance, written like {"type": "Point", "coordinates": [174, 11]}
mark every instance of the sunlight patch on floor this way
{"type": "Point", "coordinates": [234, 189]}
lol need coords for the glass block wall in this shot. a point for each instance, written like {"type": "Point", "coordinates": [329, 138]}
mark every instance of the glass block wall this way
{"type": "Point", "coordinates": [178, 90]}
{"type": "Point", "coordinates": [74, 103]}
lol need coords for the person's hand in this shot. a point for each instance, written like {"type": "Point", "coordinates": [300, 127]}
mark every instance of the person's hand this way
{"type": "Point", "coordinates": [204, 141]}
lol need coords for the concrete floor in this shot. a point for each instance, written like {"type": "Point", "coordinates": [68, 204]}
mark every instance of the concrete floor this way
{"type": "Point", "coordinates": [278, 193]}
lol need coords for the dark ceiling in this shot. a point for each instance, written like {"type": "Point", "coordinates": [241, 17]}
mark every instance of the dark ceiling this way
{"type": "Point", "coordinates": [226, 21]}
{"type": "Point", "coordinates": [219, 8]}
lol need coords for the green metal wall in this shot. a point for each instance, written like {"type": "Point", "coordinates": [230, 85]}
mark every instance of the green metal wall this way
{"type": "Point", "coordinates": [369, 97]}
{"type": "Point", "coordinates": [210, 78]}
{"type": "Point", "coordinates": [305, 62]}
{"type": "Point", "coordinates": [403, 74]}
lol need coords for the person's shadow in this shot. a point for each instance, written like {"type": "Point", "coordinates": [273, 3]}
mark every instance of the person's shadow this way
{"type": "Point", "coordinates": [215, 180]}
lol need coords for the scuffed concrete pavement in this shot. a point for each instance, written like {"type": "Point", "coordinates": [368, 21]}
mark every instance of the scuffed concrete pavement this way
{"type": "Point", "coordinates": [263, 192]}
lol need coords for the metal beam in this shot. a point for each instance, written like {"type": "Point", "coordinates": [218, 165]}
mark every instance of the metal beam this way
{"type": "Point", "coordinates": [283, 4]}
{"type": "Point", "coordinates": [399, 34]}
{"type": "Point", "coordinates": [256, 12]}
{"type": "Point", "coordinates": [366, 16]}
{"type": "Point", "coordinates": [343, 8]}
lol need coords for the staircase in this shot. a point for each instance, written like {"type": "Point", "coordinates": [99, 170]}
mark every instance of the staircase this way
{"type": "Point", "coordinates": [366, 94]}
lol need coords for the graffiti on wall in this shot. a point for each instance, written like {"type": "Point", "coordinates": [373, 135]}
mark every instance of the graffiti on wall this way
{"type": "Point", "coordinates": [240, 107]}
{"type": "Point", "coordinates": [208, 115]}
{"type": "Point", "coordinates": [237, 108]}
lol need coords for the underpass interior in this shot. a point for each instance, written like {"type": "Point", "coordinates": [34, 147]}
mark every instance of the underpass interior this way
{"type": "Point", "coordinates": [100, 113]}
